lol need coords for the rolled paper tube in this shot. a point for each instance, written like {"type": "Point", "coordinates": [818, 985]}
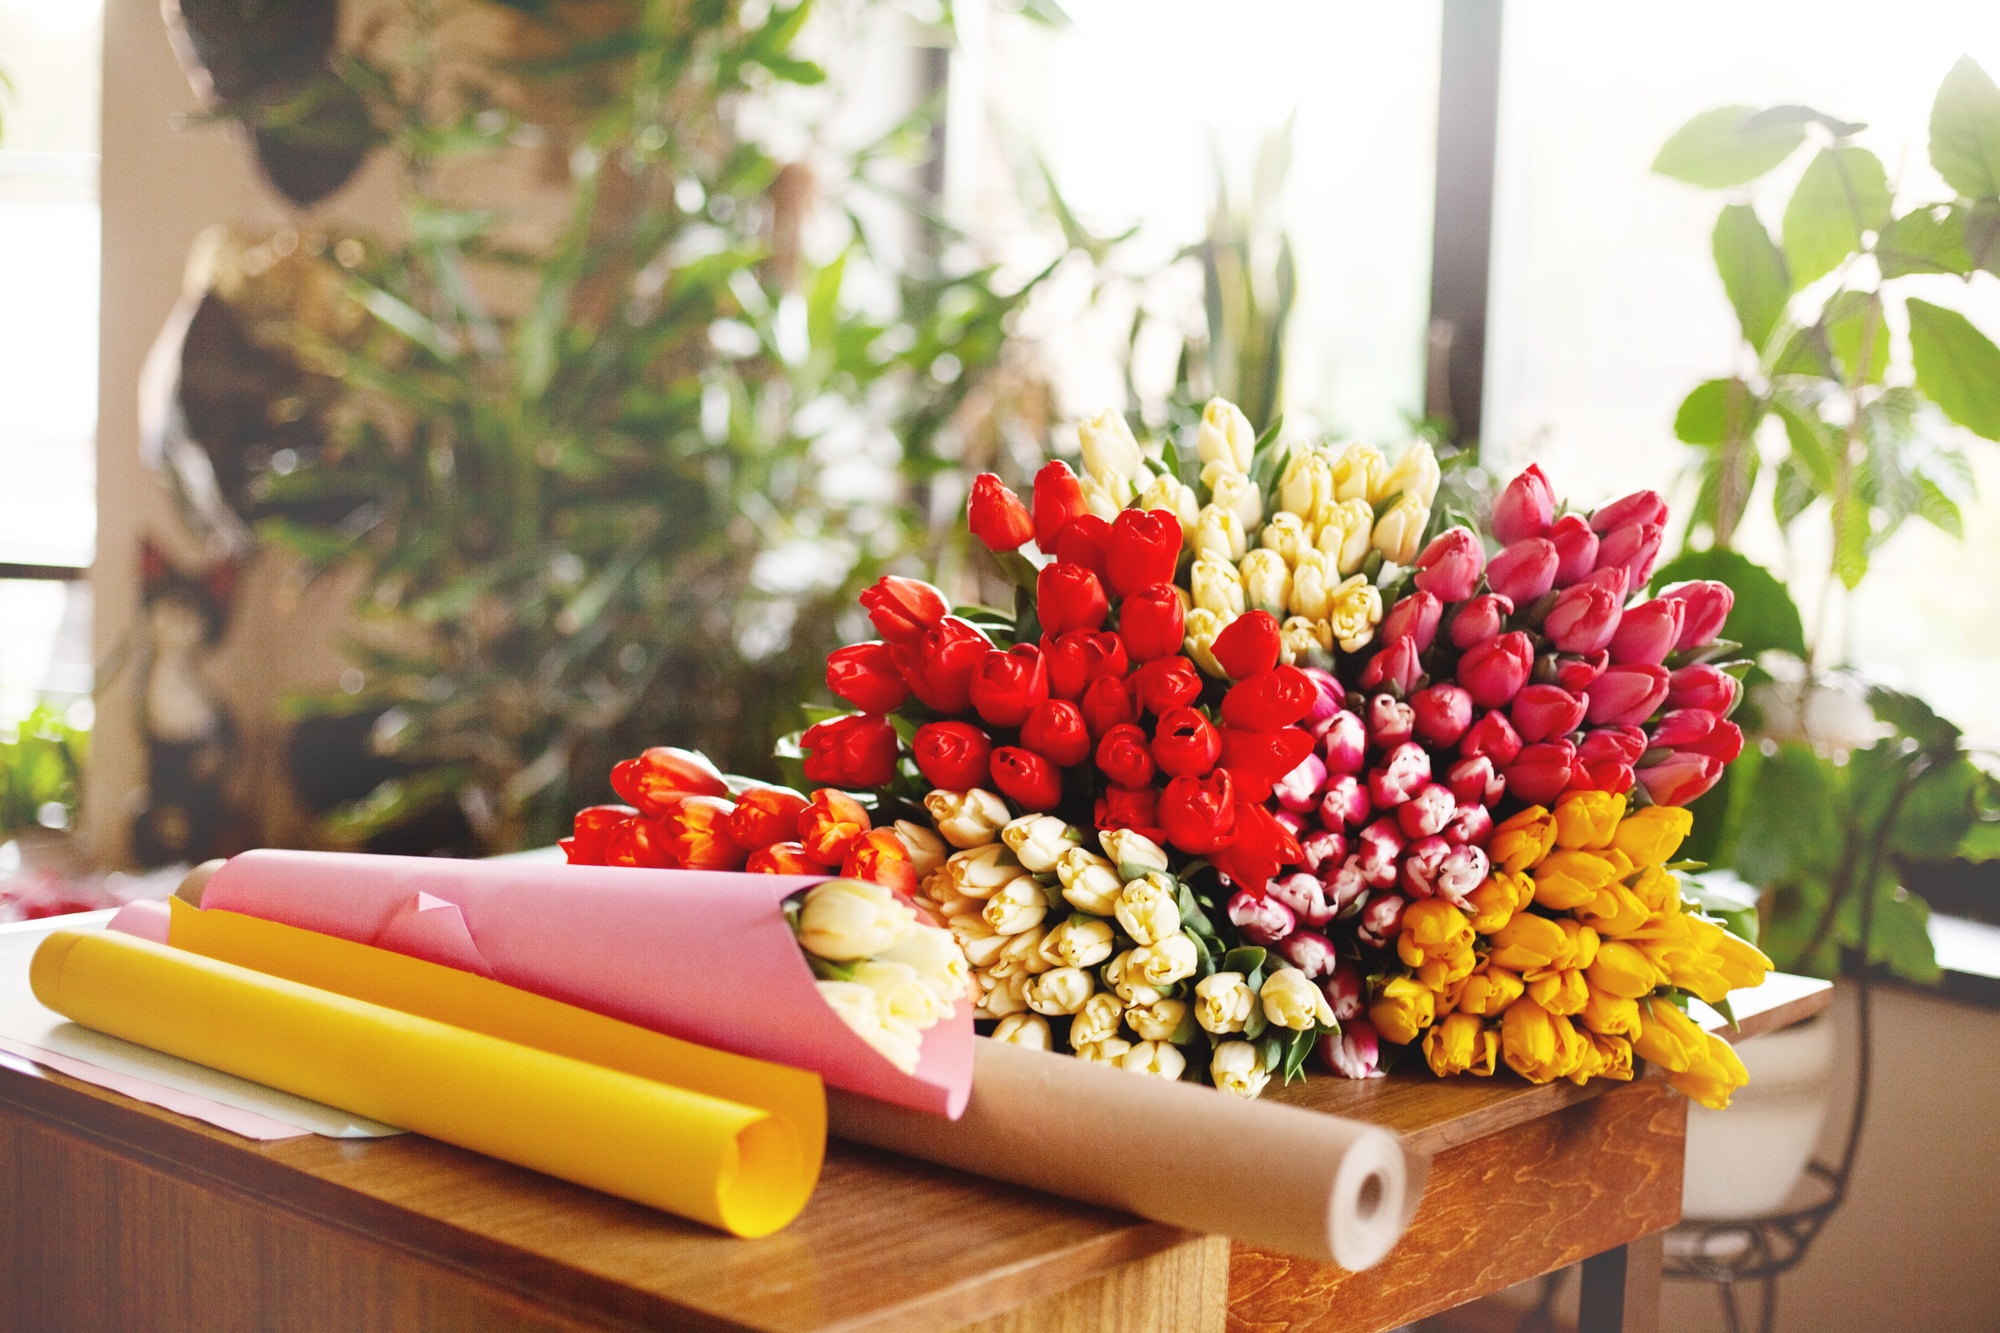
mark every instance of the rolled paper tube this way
{"type": "Point", "coordinates": [706, 956]}
{"type": "Point", "coordinates": [795, 1097]}
{"type": "Point", "coordinates": [729, 1165]}
{"type": "Point", "coordinates": [1313, 1185]}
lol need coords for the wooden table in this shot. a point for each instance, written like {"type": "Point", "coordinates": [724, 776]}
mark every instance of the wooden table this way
{"type": "Point", "coordinates": [119, 1215]}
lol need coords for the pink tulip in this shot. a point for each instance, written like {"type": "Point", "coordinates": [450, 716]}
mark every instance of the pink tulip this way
{"type": "Point", "coordinates": [1612, 776]}
{"type": "Point", "coordinates": [1421, 864]}
{"type": "Point", "coordinates": [1377, 850]}
{"type": "Point", "coordinates": [1344, 884]}
{"type": "Point", "coordinates": [1625, 696]}
{"type": "Point", "coordinates": [1390, 721]}
{"type": "Point", "coordinates": [1324, 848]}
{"type": "Point", "coordinates": [1414, 617]}
{"type": "Point", "coordinates": [1708, 606]}
{"type": "Point", "coordinates": [1395, 668]}
{"type": "Point", "coordinates": [1638, 507]}
{"type": "Point", "coordinates": [1703, 686]}
{"type": "Point", "coordinates": [1480, 619]}
{"type": "Point", "coordinates": [1573, 673]}
{"type": "Point", "coordinates": [1682, 726]}
{"type": "Point", "coordinates": [1442, 714]}
{"type": "Point", "coordinates": [1401, 775]}
{"type": "Point", "coordinates": [1722, 745]}
{"type": "Point", "coordinates": [1576, 549]}
{"type": "Point", "coordinates": [1632, 548]}
{"type": "Point", "coordinates": [1262, 919]}
{"type": "Point", "coordinates": [1449, 567]}
{"type": "Point", "coordinates": [1305, 896]}
{"type": "Point", "coordinates": [1544, 712]}
{"type": "Point", "coordinates": [1621, 745]}
{"type": "Point", "coordinates": [1647, 632]}
{"type": "Point", "coordinates": [1352, 1052]}
{"type": "Point", "coordinates": [1427, 812]}
{"type": "Point", "coordinates": [1473, 824]}
{"type": "Point", "coordinates": [1463, 870]}
{"type": "Point", "coordinates": [1293, 822]}
{"type": "Point", "coordinates": [1346, 990]}
{"type": "Point", "coordinates": [1331, 695]}
{"type": "Point", "coordinates": [1526, 508]}
{"type": "Point", "coordinates": [1381, 917]}
{"type": "Point", "coordinates": [1583, 619]}
{"type": "Point", "coordinates": [1524, 571]}
{"type": "Point", "coordinates": [1299, 789]}
{"type": "Point", "coordinates": [1494, 672]}
{"type": "Point", "coordinates": [1309, 953]}
{"type": "Point", "coordinates": [1344, 804]}
{"type": "Point", "coordinates": [1680, 777]}
{"type": "Point", "coordinates": [1343, 743]}
{"type": "Point", "coordinates": [1540, 772]}
{"type": "Point", "coordinates": [1474, 782]}
{"type": "Point", "coordinates": [1494, 737]}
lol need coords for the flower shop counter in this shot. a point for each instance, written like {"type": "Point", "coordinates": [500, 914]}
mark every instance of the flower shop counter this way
{"type": "Point", "coordinates": [122, 1215]}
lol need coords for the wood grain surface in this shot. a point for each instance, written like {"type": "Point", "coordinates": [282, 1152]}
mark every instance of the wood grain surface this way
{"type": "Point", "coordinates": [1500, 1209]}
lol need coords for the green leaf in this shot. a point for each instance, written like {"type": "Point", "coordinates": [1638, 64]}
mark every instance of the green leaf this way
{"type": "Point", "coordinates": [1708, 414]}
{"type": "Point", "coordinates": [1272, 1048]}
{"type": "Point", "coordinates": [1727, 146]}
{"type": "Point", "coordinates": [1763, 617]}
{"type": "Point", "coordinates": [1853, 533]}
{"type": "Point", "coordinates": [1843, 193]}
{"type": "Point", "coordinates": [1858, 335]}
{"type": "Point", "coordinates": [1245, 958]}
{"type": "Point", "coordinates": [1815, 445]}
{"type": "Point", "coordinates": [1253, 1026]}
{"type": "Point", "coordinates": [1982, 236]}
{"type": "Point", "coordinates": [1916, 719]}
{"type": "Point", "coordinates": [1958, 367]}
{"type": "Point", "coordinates": [1794, 492]}
{"type": "Point", "coordinates": [1938, 509]}
{"type": "Point", "coordinates": [1753, 272]}
{"type": "Point", "coordinates": [1791, 825]}
{"type": "Point", "coordinates": [1965, 131]}
{"type": "Point", "coordinates": [1938, 812]}
{"type": "Point", "coordinates": [1805, 353]}
{"type": "Point", "coordinates": [1925, 240]}
{"type": "Point", "coordinates": [1298, 1046]}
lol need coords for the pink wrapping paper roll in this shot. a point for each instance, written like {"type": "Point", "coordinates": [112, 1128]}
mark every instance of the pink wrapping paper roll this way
{"type": "Point", "coordinates": [706, 956]}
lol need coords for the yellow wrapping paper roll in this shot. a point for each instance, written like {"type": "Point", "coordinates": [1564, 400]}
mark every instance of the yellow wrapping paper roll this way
{"type": "Point", "coordinates": [730, 1165]}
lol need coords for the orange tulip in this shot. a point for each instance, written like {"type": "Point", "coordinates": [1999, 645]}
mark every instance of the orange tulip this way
{"type": "Point", "coordinates": [766, 815]}
{"type": "Point", "coordinates": [700, 834]}
{"type": "Point", "coordinates": [879, 857]}
{"type": "Point", "coordinates": [783, 858]}
{"type": "Point", "coordinates": [829, 824]}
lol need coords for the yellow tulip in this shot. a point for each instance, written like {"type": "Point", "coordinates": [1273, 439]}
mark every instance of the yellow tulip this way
{"type": "Point", "coordinates": [1714, 1076]}
{"type": "Point", "coordinates": [1579, 945]}
{"type": "Point", "coordinates": [1495, 902]}
{"type": "Point", "coordinates": [1287, 534]}
{"type": "Point", "coordinates": [1651, 836]}
{"type": "Point", "coordinates": [1432, 927]}
{"type": "Point", "coordinates": [1659, 889]}
{"type": "Point", "coordinates": [1567, 879]}
{"type": "Point", "coordinates": [1527, 943]}
{"type": "Point", "coordinates": [1615, 912]}
{"type": "Point", "coordinates": [1621, 969]}
{"type": "Point", "coordinates": [1461, 1044]}
{"type": "Point", "coordinates": [1402, 1008]}
{"type": "Point", "coordinates": [1488, 991]}
{"type": "Point", "coordinates": [1668, 1037]}
{"type": "Point", "coordinates": [1588, 820]}
{"type": "Point", "coordinates": [1741, 963]}
{"type": "Point", "coordinates": [1443, 971]}
{"type": "Point", "coordinates": [1611, 1015]}
{"type": "Point", "coordinates": [1344, 530]}
{"type": "Point", "coordinates": [1538, 1045]}
{"type": "Point", "coordinates": [1614, 1057]}
{"type": "Point", "coordinates": [1560, 992]}
{"type": "Point", "coordinates": [1522, 840]}
{"type": "Point", "coordinates": [1358, 473]}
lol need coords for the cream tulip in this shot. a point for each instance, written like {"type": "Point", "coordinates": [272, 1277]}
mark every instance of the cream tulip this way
{"type": "Point", "coordinates": [1399, 533]}
{"type": "Point", "coordinates": [1218, 588]}
{"type": "Point", "coordinates": [1354, 610]}
{"type": "Point", "coordinates": [1217, 531]}
{"type": "Point", "coordinates": [1017, 907]}
{"type": "Point", "coordinates": [1079, 941]}
{"type": "Point", "coordinates": [1110, 1051]}
{"type": "Point", "coordinates": [1160, 1059]}
{"type": "Point", "coordinates": [1267, 581]}
{"type": "Point", "coordinates": [1291, 1001]}
{"type": "Point", "coordinates": [1313, 581]}
{"type": "Point", "coordinates": [1202, 626]}
{"type": "Point", "coordinates": [926, 848]}
{"type": "Point", "coordinates": [1129, 847]}
{"type": "Point", "coordinates": [1358, 472]}
{"type": "Point", "coordinates": [1037, 840]}
{"type": "Point", "coordinates": [856, 1006]}
{"type": "Point", "coordinates": [1416, 474]}
{"type": "Point", "coordinates": [1109, 449]}
{"type": "Point", "coordinates": [1062, 991]}
{"type": "Point", "coordinates": [1307, 483]}
{"type": "Point", "coordinates": [1165, 961]}
{"type": "Point", "coordinates": [1030, 1030]}
{"type": "Point", "coordinates": [1175, 497]}
{"type": "Point", "coordinates": [900, 994]}
{"type": "Point", "coordinates": [1097, 1020]}
{"type": "Point", "coordinates": [980, 872]}
{"type": "Point", "coordinates": [937, 959]}
{"type": "Point", "coordinates": [1222, 1002]}
{"type": "Point", "coordinates": [967, 818]}
{"type": "Point", "coordinates": [1089, 882]}
{"type": "Point", "coordinates": [1149, 909]}
{"type": "Point", "coordinates": [1158, 1022]}
{"type": "Point", "coordinates": [1225, 435]}
{"type": "Point", "coordinates": [979, 941]}
{"type": "Point", "coordinates": [1104, 494]}
{"type": "Point", "coordinates": [1300, 640]}
{"type": "Point", "coordinates": [1126, 980]}
{"type": "Point", "coordinates": [1004, 995]}
{"type": "Point", "coordinates": [1237, 1068]}
{"type": "Point", "coordinates": [1236, 493]}
{"type": "Point", "coordinates": [1344, 532]}
{"type": "Point", "coordinates": [845, 919]}
{"type": "Point", "coordinates": [1023, 953]}
{"type": "Point", "coordinates": [1287, 534]}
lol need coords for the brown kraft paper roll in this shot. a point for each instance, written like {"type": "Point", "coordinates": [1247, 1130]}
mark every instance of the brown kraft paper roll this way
{"type": "Point", "coordinates": [1317, 1186]}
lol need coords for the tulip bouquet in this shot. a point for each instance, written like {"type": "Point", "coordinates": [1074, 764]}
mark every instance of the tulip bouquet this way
{"type": "Point", "coordinates": [889, 975]}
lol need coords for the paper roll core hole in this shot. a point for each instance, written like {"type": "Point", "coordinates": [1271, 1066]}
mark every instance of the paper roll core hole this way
{"type": "Point", "coordinates": [1369, 1201]}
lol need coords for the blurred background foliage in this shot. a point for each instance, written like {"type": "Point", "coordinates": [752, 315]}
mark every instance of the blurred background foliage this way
{"type": "Point", "coordinates": [41, 769]}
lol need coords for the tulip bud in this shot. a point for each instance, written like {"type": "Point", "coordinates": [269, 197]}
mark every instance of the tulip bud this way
{"type": "Point", "coordinates": [1722, 744]}
{"type": "Point", "coordinates": [1108, 447]}
{"type": "Point", "coordinates": [1313, 582]}
{"type": "Point", "coordinates": [1299, 789]}
{"type": "Point", "coordinates": [1358, 473]}
{"type": "Point", "coordinates": [1167, 960]}
{"type": "Point", "coordinates": [1126, 847]}
{"type": "Point", "coordinates": [1069, 597]}
{"type": "Point", "coordinates": [1262, 919]}
{"type": "Point", "coordinates": [1306, 896]}
{"type": "Point", "coordinates": [1427, 812]}
{"type": "Point", "coordinates": [1344, 743]}
{"type": "Point", "coordinates": [1058, 499]}
{"type": "Point", "coordinates": [1396, 668]}
{"type": "Point", "coordinates": [1463, 870]}
{"type": "Point", "coordinates": [1077, 657]}
{"type": "Point", "coordinates": [1702, 686]}
{"type": "Point", "coordinates": [1062, 990]}
{"type": "Point", "coordinates": [1575, 673]}
{"type": "Point", "coordinates": [1416, 473]}
{"type": "Point", "coordinates": [1627, 695]}
{"type": "Point", "coordinates": [1149, 908]}
{"type": "Point", "coordinates": [952, 755]}
{"type": "Point", "coordinates": [1474, 782]}
{"type": "Point", "coordinates": [1493, 672]}
{"type": "Point", "coordinates": [939, 663]}
{"type": "Point", "coordinates": [1291, 1001]}
{"type": "Point", "coordinates": [1090, 884]}
{"type": "Point", "coordinates": [1390, 721]}
{"type": "Point", "coordinates": [1345, 803]}
{"type": "Point", "coordinates": [1402, 773]}
{"type": "Point", "coordinates": [1647, 632]}
{"type": "Point", "coordinates": [858, 750]}
{"type": "Point", "coordinates": [1494, 737]}
{"type": "Point", "coordinates": [1225, 435]}
{"type": "Point", "coordinates": [1354, 609]}
{"type": "Point", "coordinates": [1541, 771]}
{"type": "Point", "coordinates": [1216, 585]}
{"type": "Point", "coordinates": [1638, 507]}
{"type": "Point", "coordinates": [1449, 567]}
{"type": "Point", "coordinates": [1480, 619]}
{"type": "Point", "coordinates": [1170, 495]}
{"type": "Point", "coordinates": [766, 815]}
{"type": "Point", "coordinates": [843, 920]}
{"type": "Point", "coordinates": [1631, 548]}
{"type": "Point", "coordinates": [1307, 483]}
{"type": "Point", "coordinates": [1219, 532]}
{"type": "Point", "coordinates": [1442, 714]}
{"type": "Point", "coordinates": [1185, 744]}
{"type": "Point", "coordinates": [1248, 645]}
{"type": "Point", "coordinates": [1576, 549]}
{"type": "Point", "coordinates": [902, 609]}
{"type": "Point", "coordinates": [1165, 684]}
{"type": "Point", "coordinates": [1287, 536]}
{"type": "Point", "coordinates": [1231, 490]}
{"type": "Point", "coordinates": [1080, 941]}
{"type": "Point", "coordinates": [1055, 729]}
{"type": "Point", "coordinates": [1151, 622]}
{"type": "Point", "coordinates": [1378, 848]}
{"type": "Point", "coordinates": [971, 818]}
{"type": "Point", "coordinates": [1084, 542]}
{"type": "Point", "coordinates": [1525, 508]}
{"type": "Point", "coordinates": [1144, 547]}
{"type": "Point", "coordinates": [1106, 703]}
{"type": "Point", "coordinates": [997, 516]}
{"type": "Point", "coordinates": [1157, 1022]}
{"type": "Point", "coordinates": [1037, 841]}
{"type": "Point", "coordinates": [1398, 531]}
{"type": "Point", "coordinates": [1420, 865]}
{"type": "Point", "coordinates": [1545, 712]}
{"type": "Point", "coordinates": [865, 675]}
{"type": "Point", "coordinates": [1524, 571]}
{"type": "Point", "coordinates": [1682, 726]}
{"type": "Point", "coordinates": [1267, 581]}
{"type": "Point", "coordinates": [1323, 848]}
{"type": "Point", "coordinates": [1381, 917]}
{"type": "Point", "coordinates": [1009, 684]}
{"type": "Point", "coordinates": [1203, 626]}
{"type": "Point", "coordinates": [1680, 777]}
{"type": "Point", "coordinates": [1415, 618]}
{"type": "Point", "coordinates": [1584, 618]}
{"type": "Point", "coordinates": [1016, 906]}
{"type": "Point", "coordinates": [1472, 825]}
{"type": "Point", "coordinates": [1706, 605]}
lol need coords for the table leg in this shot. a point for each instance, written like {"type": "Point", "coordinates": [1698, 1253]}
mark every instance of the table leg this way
{"type": "Point", "coordinates": [1621, 1288]}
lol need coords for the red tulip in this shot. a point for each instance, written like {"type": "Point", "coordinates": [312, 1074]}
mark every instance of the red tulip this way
{"type": "Point", "coordinates": [591, 830]}
{"type": "Point", "coordinates": [1576, 549]}
{"type": "Point", "coordinates": [1573, 673]}
{"type": "Point", "coordinates": [1545, 712]}
{"type": "Point", "coordinates": [1278, 698]}
{"type": "Point", "coordinates": [1608, 775]}
{"type": "Point", "coordinates": [858, 750]}
{"type": "Point", "coordinates": [865, 675]}
{"type": "Point", "coordinates": [783, 858]}
{"type": "Point", "coordinates": [1248, 645]}
{"type": "Point", "coordinates": [829, 824]}
{"type": "Point", "coordinates": [1703, 686]}
{"type": "Point", "coordinates": [1494, 672]}
{"type": "Point", "coordinates": [1167, 683]}
{"type": "Point", "coordinates": [1625, 696]}
{"type": "Point", "coordinates": [1680, 777]}
{"type": "Point", "coordinates": [1525, 509]}
{"type": "Point", "coordinates": [903, 609]}
{"type": "Point", "coordinates": [1449, 567]}
{"type": "Point", "coordinates": [1107, 701]}
{"type": "Point", "coordinates": [766, 815]}
{"type": "Point", "coordinates": [639, 842]}
{"type": "Point", "coordinates": [1079, 656]}
{"type": "Point", "coordinates": [1009, 684]}
{"type": "Point", "coordinates": [1722, 744]}
{"type": "Point", "coordinates": [660, 776]}
{"type": "Point", "coordinates": [1152, 622]}
{"type": "Point", "coordinates": [1493, 737]}
{"type": "Point", "coordinates": [1185, 744]}
{"type": "Point", "coordinates": [698, 834]}
{"type": "Point", "coordinates": [1130, 807]}
{"type": "Point", "coordinates": [1638, 507]}
{"type": "Point", "coordinates": [1707, 606]}
{"type": "Point", "coordinates": [1632, 548]}
{"type": "Point", "coordinates": [953, 756]}
{"type": "Point", "coordinates": [1125, 755]}
{"type": "Point", "coordinates": [1395, 668]}
{"type": "Point", "coordinates": [1084, 541]}
{"type": "Point", "coordinates": [1261, 758]}
{"type": "Point", "coordinates": [1413, 617]}
{"type": "Point", "coordinates": [1145, 546]}
{"type": "Point", "coordinates": [1540, 772]}
{"type": "Point", "coordinates": [1056, 731]}
{"type": "Point", "coordinates": [1583, 619]}
{"type": "Point", "coordinates": [940, 662]}
{"type": "Point", "coordinates": [1199, 814]}
{"type": "Point", "coordinates": [1261, 846]}
{"type": "Point", "coordinates": [1622, 745]}
{"type": "Point", "coordinates": [1524, 571]}
{"type": "Point", "coordinates": [1058, 499]}
{"type": "Point", "coordinates": [1069, 597]}
{"type": "Point", "coordinates": [879, 857]}
{"type": "Point", "coordinates": [996, 515]}
{"type": "Point", "coordinates": [1026, 779]}
{"type": "Point", "coordinates": [1441, 714]}
{"type": "Point", "coordinates": [1480, 619]}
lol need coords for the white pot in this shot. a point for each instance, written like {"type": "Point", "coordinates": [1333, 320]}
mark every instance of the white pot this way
{"type": "Point", "coordinates": [1743, 1162]}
